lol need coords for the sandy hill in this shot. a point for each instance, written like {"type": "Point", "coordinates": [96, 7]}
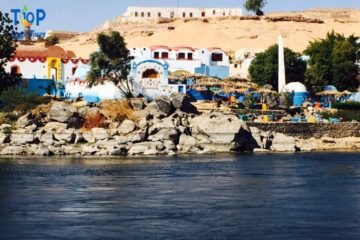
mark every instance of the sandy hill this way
{"type": "Point", "coordinates": [298, 28]}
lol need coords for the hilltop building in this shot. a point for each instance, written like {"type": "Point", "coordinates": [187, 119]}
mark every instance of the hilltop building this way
{"type": "Point", "coordinates": [138, 14]}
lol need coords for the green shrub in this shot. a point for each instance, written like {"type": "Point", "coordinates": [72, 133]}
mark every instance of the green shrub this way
{"type": "Point", "coordinates": [52, 40]}
{"type": "Point", "coordinates": [16, 99]}
{"type": "Point", "coordinates": [349, 115]}
{"type": "Point", "coordinates": [347, 105]}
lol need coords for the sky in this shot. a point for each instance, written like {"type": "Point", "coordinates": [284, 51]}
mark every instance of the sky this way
{"type": "Point", "coordinates": [85, 15]}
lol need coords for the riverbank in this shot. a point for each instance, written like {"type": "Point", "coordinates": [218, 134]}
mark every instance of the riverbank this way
{"type": "Point", "coordinates": [162, 127]}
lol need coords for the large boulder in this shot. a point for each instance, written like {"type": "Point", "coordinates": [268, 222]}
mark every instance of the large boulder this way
{"type": "Point", "coordinates": [182, 102]}
{"type": "Point", "coordinates": [53, 127]}
{"type": "Point", "coordinates": [223, 132]}
{"type": "Point", "coordinates": [147, 148]}
{"type": "Point", "coordinates": [22, 138]}
{"type": "Point", "coordinates": [283, 143]}
{"type": "Point", "coordinates": [62, 112]}
{"type": "Point", "coordinates": [138, 103]}
{"type": "Point", "coordinates": [43, 151]}
{"type": "Point", "coordinates": [100, 133]}
{"type": "Point", "coordinates": [165, 134]}
{"type": "Point", "coordinates": [4, 138]}
{"type": "Point", "coordinates": [47, 139]}
{"type": "Point", "coordinates": [67, 136]}
{"type": "Point", "coordinates": [164, 104]}
{"type": "Point", "coordinates": [126, 127]}
{"type": "Point", "coordinates": [219, 128]}
{"type": "Point", "coordinates": [24, 121]}
{"type": "Point", "coordinates": [140, 136]}
{"type": "Point", "coordinates": [89, 137]}
{"type": "Point", "coordinates": [13, 150]}
{"type": "Point", "coordinates": [90, 149]}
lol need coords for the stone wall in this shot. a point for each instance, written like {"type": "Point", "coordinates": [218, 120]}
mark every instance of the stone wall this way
{"type": "Point", "coordinates": [309, 130]}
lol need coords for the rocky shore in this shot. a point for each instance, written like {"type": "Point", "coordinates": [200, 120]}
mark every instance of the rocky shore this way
{"type": "Point", "coordinates": [166, 126]}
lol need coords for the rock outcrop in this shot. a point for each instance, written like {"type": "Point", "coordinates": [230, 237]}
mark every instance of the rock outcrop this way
{"type": "Point", "coordinates": [165, 127]}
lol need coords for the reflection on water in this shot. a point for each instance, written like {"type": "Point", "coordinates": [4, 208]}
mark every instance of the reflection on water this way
{"type": "Point", "coordinates": [305, 196]}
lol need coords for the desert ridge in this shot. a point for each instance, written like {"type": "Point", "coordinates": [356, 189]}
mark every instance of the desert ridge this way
{"type": "Point", "coordinates": [227, 33]}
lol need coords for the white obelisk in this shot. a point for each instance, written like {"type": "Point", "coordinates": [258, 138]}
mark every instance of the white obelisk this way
{"type": "Point", "coordinates": [282, 79]}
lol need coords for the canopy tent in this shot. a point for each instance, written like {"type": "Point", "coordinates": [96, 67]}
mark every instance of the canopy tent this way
{"type": "Point", "coordinates": [328, 93]}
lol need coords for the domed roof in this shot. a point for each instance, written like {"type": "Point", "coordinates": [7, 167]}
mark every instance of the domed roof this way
{"type": "Point", "coordinates": [330, 88]}
{"type": "Point", "coordinates": [294, 87]}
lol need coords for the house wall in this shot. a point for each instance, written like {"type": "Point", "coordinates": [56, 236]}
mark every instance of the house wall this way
{"type": "Point", "coordinates": [214, 71]}
{"type": "Point", "coordinates": [29, 69]}
{"type": "Point", "coordinates": [201, 56]}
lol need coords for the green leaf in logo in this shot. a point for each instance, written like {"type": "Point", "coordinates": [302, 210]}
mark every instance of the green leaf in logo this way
{"type": "Point", "coordinates": [25, 9]}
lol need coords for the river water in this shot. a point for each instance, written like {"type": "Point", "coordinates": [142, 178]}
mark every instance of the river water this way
{"type": "Point", "coordinates": [277, 196]}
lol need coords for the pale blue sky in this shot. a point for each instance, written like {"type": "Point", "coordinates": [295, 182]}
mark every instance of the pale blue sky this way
{"type": "Point", "coordinates": [84, 15]}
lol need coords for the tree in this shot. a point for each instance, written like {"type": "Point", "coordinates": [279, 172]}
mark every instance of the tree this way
{"type": "Point", "coordinates": [264, 68]}
{"type": "Point", "coordinates": [255, 6]}
{"type": "Point", "coordinates": [333, 62]}
{"type": "Point", "coordinates": [7, 50]}
{"type": "Point", "coordinates": [51, 40]}
{"type": "Point", "coordinates": [111, 63]}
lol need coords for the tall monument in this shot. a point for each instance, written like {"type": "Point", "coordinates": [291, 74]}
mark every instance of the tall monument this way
{"type": "Point", "coordinates": [281, 77]}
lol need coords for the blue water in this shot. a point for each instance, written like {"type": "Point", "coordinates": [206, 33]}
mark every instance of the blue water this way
{"type": "Point", "coordinates": [297, 196]}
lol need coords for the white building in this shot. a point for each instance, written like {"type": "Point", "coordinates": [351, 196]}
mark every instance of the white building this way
{"type": "Point", "coordinates": [150, 78]}
{"type": "Point", "coordinates": [136, 14]}
{"type": "Point", "coordinates": [242, 61]}
{"type": "Point", "coordinates": [38, 62]}
{"type": "Point", "coordinates": [212, 62]}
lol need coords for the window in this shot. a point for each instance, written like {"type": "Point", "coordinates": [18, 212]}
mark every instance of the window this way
{"type": "Point", "coordinates": [224, 13]}
{"type": "Point", "coordinates": [159, 14]}
{"type": "Point", "coordinates": [172, 15]}
{"type": "Point", "coordinates": [156, 55]}
{"type": "Point", "coordinates": [73, 70]}
{"type": "Point", "coordinates": [15, 69]}
{"type": "Point", "coordinates": [190, 56]}
{"type": "Point", "coordinates": [149, 14]}
{"type": "Point", "coordinates": [164, 55]}
{"type": "Point", "coordinates": [191, 14]}
{"type": "Point", "coordinates": [181, 56]}
{"type": "Point", "coordinates": [184, 14]}
{"type": "Point", "coordinates": [150, 73]}
{"type": "Point", "coordinates": [214, 12]}
{"type": "Point", "coordinates": [203, 14]}
{"type": "Point", "coordinates": [216, 57]}
{"type": "Point", "coordinates": [136, 14]}
{"type": "Point", "coordinates": [235, 65]}
{"type": "Point", "coordinates": [142, 14]}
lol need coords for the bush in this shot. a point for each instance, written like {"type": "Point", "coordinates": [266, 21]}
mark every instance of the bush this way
{"type": "Point", "coordinates": [15, 99]}
{"type": "Point", "coordinates": [52, 40]}
{"type": "Point", "coordinates": [347, 105]}
{"type": "Point", "coordinates": [8, 118]}
{"type": "Point", "coordinates": [118, 110]}
{"type": "Point", "coordinates": [166, 20]}
{"type": "Point", "coordinates": [94, 120]}
{"type": "Point", "coordinates": [349, 115]}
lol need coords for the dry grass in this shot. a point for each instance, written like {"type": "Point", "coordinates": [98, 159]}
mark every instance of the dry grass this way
{"type": "Point", "coordinates": [2, 118]}
{"type": "Point", "coordinates": [41, 110]}
{"type": "Point", "coordinates": [93, 120]}
{"type": "Point", "coordinates": [118, 110]}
